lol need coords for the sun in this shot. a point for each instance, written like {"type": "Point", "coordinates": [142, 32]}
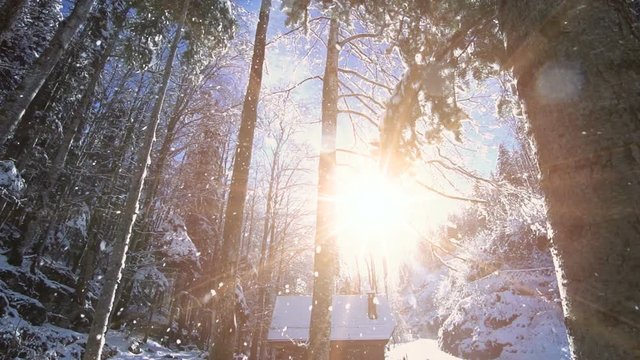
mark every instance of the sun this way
{"type": "Point", "coordinates": [381, 222]}
{"type": "Point", "coordinates": [374, 216]}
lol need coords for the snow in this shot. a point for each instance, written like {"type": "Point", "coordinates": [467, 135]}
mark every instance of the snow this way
{"type": "Point", "coordinates": [48, 341]}
{"type": "Point", "coordinates": [150, 350]}
{"type": "Point", "coordinates": [176, 243]}
{"type": "Point", "coordinates": [514, 326]}
{"type": "Point", "coordinates": [80, 219]}
{"type": "Point", "coordinates": [20, 338]}
{"type": "Point", "coordinates": [421, 349]}
{"type": "Point", "coordinates": [11, 182]}
{"type": "Point", "coordinates": [151, 274]}
{"type": "Point", "coordinates": [349, 319]}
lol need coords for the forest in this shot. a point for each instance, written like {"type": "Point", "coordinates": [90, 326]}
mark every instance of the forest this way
{"type": "Point", "coordinates": [320, 180]}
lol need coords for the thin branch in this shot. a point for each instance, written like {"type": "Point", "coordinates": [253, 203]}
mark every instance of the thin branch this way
{"type": "Point", "coordinates": [275, 39]}
{"type": "Point", "coordinates": [358, 36]}
{"type": "Point", "coordinates": [452, 197]}
{"type": "Point", "coordinates": [362, 115]}
{"type": "Point", "coordinates": [358, 96]}
{"type": "Point", "coordinates": [452, 166]}
{"type": "Point", "coordinates": [296, 85]}
{"type": "Point", "coordinates": [358, 75]}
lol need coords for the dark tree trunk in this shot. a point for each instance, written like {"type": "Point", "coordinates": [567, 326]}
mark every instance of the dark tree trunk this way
{"type": "Point", "coordinates": [13, 110]}
{"type": "Point", "coordinates": [224, 345]}
{"type": "Point", "coordinates": [577, 64]}
{"type": "Point", "coordinates": [9, 14]}
{"type": "Point", "coordinates": [95, 340]}
{"type": "Point", "coordinates": [325, 260]}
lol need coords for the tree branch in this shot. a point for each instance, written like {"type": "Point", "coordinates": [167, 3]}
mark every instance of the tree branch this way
{"type": "Point", "coordinates": [358, 75]}
{"type": "Point", "coordinates": [362, 115]}
{"type": "Point", "coordinates": [358, 36]}
{"type": "Point", "coordinates": [452, 197]}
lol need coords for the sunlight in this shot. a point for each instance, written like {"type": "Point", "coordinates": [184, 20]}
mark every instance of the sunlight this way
{"type": "Point", "coordinates": [374, 216]}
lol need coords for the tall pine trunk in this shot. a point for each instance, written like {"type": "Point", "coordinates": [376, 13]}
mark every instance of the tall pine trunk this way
{"type": "Point", "coordinates": [231, 235]}
{"type": "Point", "coordinates": [99, 327]}
{"type": "Point", "coordinates": [15, 107]}
{"type": "Point", "coordinates": [325, 260]}
{"type": "Point", "coordinates": [577, 63]}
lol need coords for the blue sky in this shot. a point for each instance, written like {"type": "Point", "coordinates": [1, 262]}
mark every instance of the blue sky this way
{"type": "Point", "coordinates": [297, 57]}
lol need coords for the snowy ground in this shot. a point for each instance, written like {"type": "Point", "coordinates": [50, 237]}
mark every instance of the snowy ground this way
{"type": "Point", "coordinates": [422, 349]}
{"type": "Point", "coordinates": [150, 350]}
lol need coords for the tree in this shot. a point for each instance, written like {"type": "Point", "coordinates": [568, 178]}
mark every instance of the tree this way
{"type": "Point", "coordinates": [224, 347]}
{"type": "Point", "coordinates": [326, 253]}
{"type": "Point", "coordinates": [13, 110]}
{"type": "Point", "coordinates": [584, 118]}
{"type": "Point", "coordinates": [588, 163]}
{"type": "Point", "coordinates": [96, 338]}
{"type": "Point", "coordinates": [325, 260]}
{"type": "Point", "coordinates": [10, 13]}
{"type": "Point", "coordinates": [97, 25]}
{"type": "Point", "coordinates": [568, 92]}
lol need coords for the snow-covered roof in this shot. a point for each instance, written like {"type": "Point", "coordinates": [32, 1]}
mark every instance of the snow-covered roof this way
{"type": "Point", "coordinates": [349, 319]}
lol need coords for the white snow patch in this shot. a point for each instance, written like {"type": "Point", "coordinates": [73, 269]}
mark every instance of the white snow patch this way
{"type": "Point", "coordinates": [421, 349]}
{"type": "Point", "coordinates": [11, 182]}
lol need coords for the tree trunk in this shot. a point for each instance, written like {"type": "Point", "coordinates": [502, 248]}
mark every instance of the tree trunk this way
{"type": "Point", "coordinates": [264, 269]}
{"type": "Point", "coordinates": [231, 234]}
{"type": "Point", "coordinates": [80, 112]}
{"type": "Point", "coordinates": [78, 117]}
{"type": "Point", "coordinates": [578, 69]}
{"type": "Point", "coordinates": [9, 14]}
{"type": "Point", "coordinates": [92, 248]}
{"type": "Point", "coordinates": [153, 305]}
{"type": "Point", "coordinates": [17, 104]}
{"type": "Point", "coordinates": [95, 340]}
{"type": "Point", "coordinates": [325, 260]}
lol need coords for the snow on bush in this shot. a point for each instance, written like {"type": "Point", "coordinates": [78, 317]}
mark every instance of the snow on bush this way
{"type": "Point", "coordinates": [11, 183]}
{"type": "Point", "coordinates": [150, 275]}
{"type": "Point", "coordinates": [417, 301]}
{"type": "Point", "coordinates": [176, 244]}
{"type": "Point", "coordinates": [507, 315]}
{"type": "Point", "coordinates": [80, 219]}
{"type": "Point", "coordinates": [495, 294]}
{"type": "Point", "coordinates": [503, 300]}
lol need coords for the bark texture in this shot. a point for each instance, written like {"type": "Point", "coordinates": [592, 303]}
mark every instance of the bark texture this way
{"type": "Point", "coordinates": [577, 63]}
{"type": "Point", "coordinates": [223, 347]}
{"type": "Point", "coordinates": [95, 340]}
{"type": "Point", "coordinates": [15, 107]}
{"type": "Point", "coordinates": [325, 262]}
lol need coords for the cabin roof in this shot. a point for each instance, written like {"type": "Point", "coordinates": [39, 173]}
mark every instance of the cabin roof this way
{"type": "Point", "coordinates": [349, 319]}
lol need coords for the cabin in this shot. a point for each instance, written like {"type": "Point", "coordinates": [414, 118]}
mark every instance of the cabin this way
{"type": "Point", "coordinates": [361, 326]}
